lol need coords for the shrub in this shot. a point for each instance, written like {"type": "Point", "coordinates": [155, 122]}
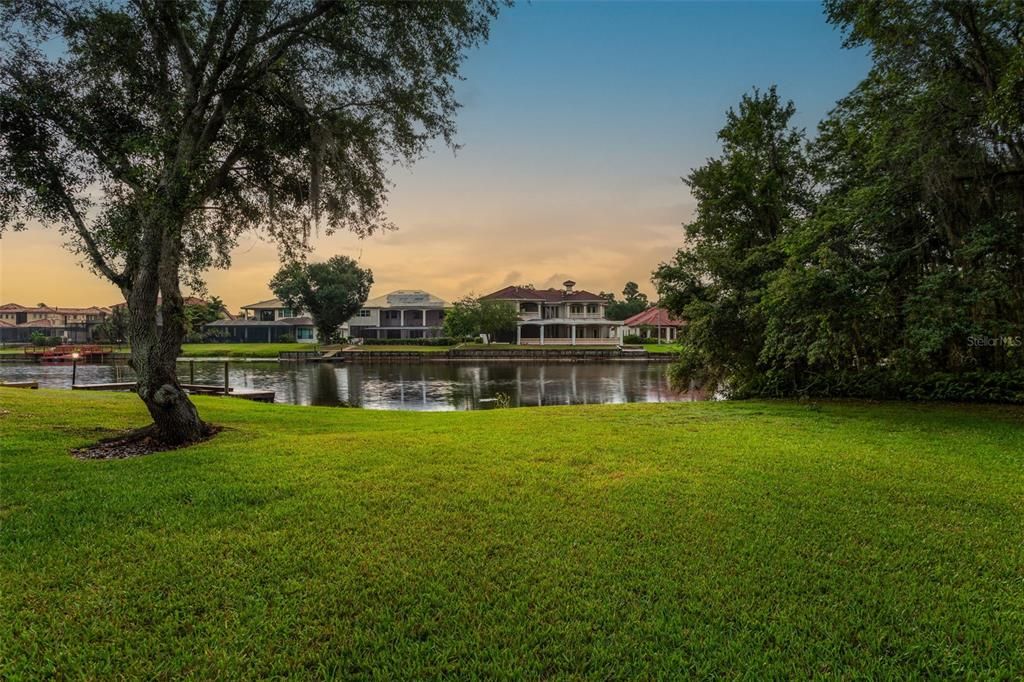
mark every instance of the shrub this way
{"type": "Point", "coordinates": [207, 335]}
{"type": "Point", "coordinates": [637, 339]}
{"type": "Point", "coordinates": [439, 341]}
{"type": "Point", "coordinates": [286, 338]}
{"type": "Point", "coordinates": [41, 339]}
{"type": "Point", "coordinates": [887, 384]}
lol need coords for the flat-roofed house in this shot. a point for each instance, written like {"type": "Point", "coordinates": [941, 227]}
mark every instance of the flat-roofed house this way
{"type": "Point", "coordinates": [268, 311]}
{"type": "Point", "coordinates": [564, 316]}
{"type": "Point", "coordinates": [266, 322]}
{"type": "Point", "coordinates": [402, 314]}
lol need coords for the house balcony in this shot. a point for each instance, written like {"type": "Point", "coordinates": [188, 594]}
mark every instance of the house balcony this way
{"type": "Point", "coordinates": [569, 341]}
{"type": "Point", "coordinates": [414, 319]}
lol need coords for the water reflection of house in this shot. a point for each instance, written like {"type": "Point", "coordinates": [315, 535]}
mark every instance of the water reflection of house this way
{"type": "Point", "coordinates": [558, 316]}
{"type": "Point", "coordinates": [655, 323]}
{"type": "Point", "coordinates": [75, 325]}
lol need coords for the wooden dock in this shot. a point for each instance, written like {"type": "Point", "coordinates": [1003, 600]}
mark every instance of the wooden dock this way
{"type": "Point", "coordinates": [19, 384]}
{"type": "Point", "coordinates": [194, 389]}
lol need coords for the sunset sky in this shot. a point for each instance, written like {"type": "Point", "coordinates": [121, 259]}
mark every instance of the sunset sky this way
{"type": "Point", "coordinates": [579, 119]}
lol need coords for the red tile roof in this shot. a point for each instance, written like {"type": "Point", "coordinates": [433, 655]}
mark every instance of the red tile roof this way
{"type": "Point", "coordinates": [45, 322]}
{"type": "Point", "coordinates": [516, 293]}
{"type": "Point", "coordinates": [92, 310]}
{"type": "Point", "coordinates": [187, 300]}
{"type": "Point", "coordinates": [653, 317]}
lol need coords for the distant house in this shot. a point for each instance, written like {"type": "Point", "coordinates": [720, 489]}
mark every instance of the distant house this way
{"type": "Point", "coordinates": [656, 323]}
{"type": "Point", "coordinates": [266, 322]}
{"type": "Point", "coordinates": [187, 300]}
{"type": "Point", "coordinates": [403, 314]}
{"type": "Point", "coordinates": [73, 325]}
{"type": "Point", "coordinates": [558, 316]}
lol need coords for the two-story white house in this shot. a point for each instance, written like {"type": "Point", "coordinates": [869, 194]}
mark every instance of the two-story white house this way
{"type": "Point", "coordinates": [558, 316]}
{"type": "Point", "coordinates": [403, 314]}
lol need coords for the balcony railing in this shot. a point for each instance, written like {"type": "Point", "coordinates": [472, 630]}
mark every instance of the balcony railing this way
{"type": "Point", "coordinates": [569, 316]}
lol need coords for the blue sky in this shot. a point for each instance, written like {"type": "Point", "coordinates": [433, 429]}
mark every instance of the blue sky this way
{"type": "Point", "coordinates": [579, 119]}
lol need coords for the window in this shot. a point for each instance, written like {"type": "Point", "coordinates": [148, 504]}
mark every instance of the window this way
{"type": "Point", "coordinates": [363, 313]}
{"type": "Point", "coordinates": [287, 312]}
{"type": "Point", "coordinates": [304, 333]}
{"type": "Point", "coordinates": [592, 308]}
{"type": "Point", "coordinates": [266, 315]}
{"type": "Point", "coordinates": [575, 309]}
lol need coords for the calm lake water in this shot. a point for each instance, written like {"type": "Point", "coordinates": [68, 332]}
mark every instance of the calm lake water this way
{"type": "Point", "coordinates": [422, 386]}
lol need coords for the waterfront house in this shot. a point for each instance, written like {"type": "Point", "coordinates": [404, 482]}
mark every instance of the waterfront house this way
{"type": "Point", "coordinates": [268, 311]}
{"type": "Point", "coordinates": [564, 316]}
{"type": "Point", "coordinates": [186, 301]}
{"type": "Point", "coordinates": [72, 325]}
{"type": "Point", "coordinates": [403, 314]}
{"type": "Point", "coordinates": [267, 321]}
{"type": "Point", "coordinates": [656, 323]}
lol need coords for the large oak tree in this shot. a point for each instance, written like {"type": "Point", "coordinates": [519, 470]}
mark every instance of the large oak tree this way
{"type": "Point", "coordinates": [155, 132]}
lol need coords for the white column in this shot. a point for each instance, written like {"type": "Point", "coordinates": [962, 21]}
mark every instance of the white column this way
{"type": "Point", "coordinates": [574, 333]}
{"type": "Point", "coordinates": [519, 335]}
{"type": "Point", "coordinates": [424, 318]}
{"type": "Point", "coordinates": [542, 335]}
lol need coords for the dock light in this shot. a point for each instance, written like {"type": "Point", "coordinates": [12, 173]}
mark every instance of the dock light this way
{"type": "Point", "coordinates": [74, 367]}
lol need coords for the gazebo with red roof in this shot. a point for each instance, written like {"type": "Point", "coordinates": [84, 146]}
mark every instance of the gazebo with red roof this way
{"type": "Point", "coordinates": [659, 320]}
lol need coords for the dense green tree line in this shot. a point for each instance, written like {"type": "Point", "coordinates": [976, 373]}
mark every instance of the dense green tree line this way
{"type": "Point", "coordinates": [633, 301]}
{"type": "Point", "coordinates": [886, 257]}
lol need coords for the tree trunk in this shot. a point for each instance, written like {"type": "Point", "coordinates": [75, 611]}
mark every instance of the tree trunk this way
{"type": "Point", "coordinates": [155, 349]}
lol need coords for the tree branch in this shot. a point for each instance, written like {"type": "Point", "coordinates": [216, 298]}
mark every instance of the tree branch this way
{"type": "Point", "coordinates": [218, 179]}
{"type": "Point", "coordinates": [207, 49]}
{"type": "Point", "coordinates": [292, 31]}
{"type": "Point", "coordinates": [92, 248]}
{"type": "Point", "coordinates": [168, 16]}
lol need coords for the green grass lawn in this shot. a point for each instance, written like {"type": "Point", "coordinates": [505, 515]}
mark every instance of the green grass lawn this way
{"type": "Point", "coordinates": [662, 347]}
{"type": "Point", "coordinates": [513, 346]}
{"type": "Point", "coordinates": [396, 347]}
{"type": "Point", "coordinates": [758, 540]}
{"type": "Point", "coordinates": [241, 350]}
{"type": "Point", "coordinates": [217, 350]}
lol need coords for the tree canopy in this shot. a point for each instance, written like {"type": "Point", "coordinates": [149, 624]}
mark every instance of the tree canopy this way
{"type": "Point", "coordinates": [634, 301]}
{"type": "Point", "coordinates": [469, 316]}
{"type": "Point", "coordinates": [153, 133]}
{"type": "Point", "coordinates": [331, 292]}
{"type": "Point", "coordinates": [886, 257]}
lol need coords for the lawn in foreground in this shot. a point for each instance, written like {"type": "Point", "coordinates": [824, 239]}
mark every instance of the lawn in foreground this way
{"type": "Point", "coordinates": [771, 539]}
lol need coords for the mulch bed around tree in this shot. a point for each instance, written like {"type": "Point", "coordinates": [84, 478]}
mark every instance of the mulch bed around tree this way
{"type": "Point", "coordinates": [134, 444]}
